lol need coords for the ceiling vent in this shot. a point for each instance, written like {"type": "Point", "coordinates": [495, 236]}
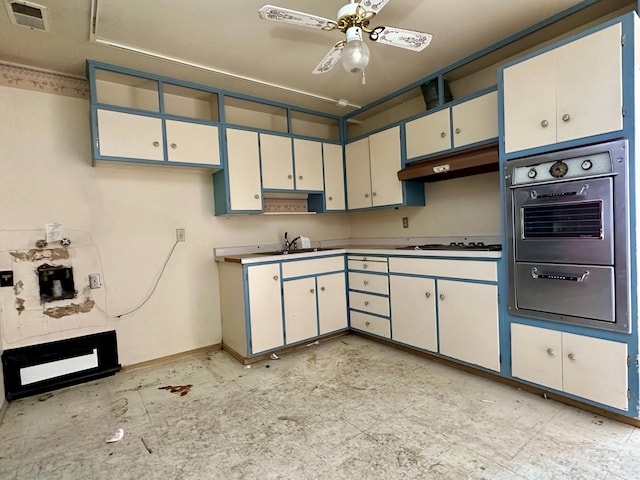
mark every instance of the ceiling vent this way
{"type": "Point", "coordinates": [27, 14]}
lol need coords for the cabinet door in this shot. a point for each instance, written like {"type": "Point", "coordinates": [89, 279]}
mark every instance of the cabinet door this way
{"type": "Point", "coordinates": [358, 174]}
{"type": "Point", "coordinates": [413, 312]}
{"type": "Point", "coordinates": [243, 170]}
{"type": "Point", "coordinates": [428, 134]}
{"type": "Point", "coordinates": [277, 162]}
{"type": "Point", "coordinates": [384, 156]}
{"type": "Point", "coordinates": [589, 85]}
{"type": "Point", "coordinates": [300, 315]}
{"type": "Point", "coordinates": [192, 143]}
{"type": "Point", "coordinates": [595, 369]}
{"type": "Point", "coordinates": [529, 94]}
{"type": "Point", "coordinates": [536, 355]}
{"type": "Point", "coordinates": [126, 135]}
{"type": "Point", "coordinates": [475, 120]}
{"type": "Point", "coordinates": [265, 307]}
{"type": "Point", "coordinates": [333, 177]}
{"type": "Point", "coordinates": [468, 322]}
{"type": "Point", "coordinates": [308, 162]}
{"type": "Point", "coordinates": [332, 302]}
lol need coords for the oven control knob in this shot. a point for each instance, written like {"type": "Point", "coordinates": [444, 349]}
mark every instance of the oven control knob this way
{"type": "Point", "coordinates": [558, 169]}
{"type": "Point", "coordinates": [532, 173]}
{"type": "Point", "coordinates": [586, 165]}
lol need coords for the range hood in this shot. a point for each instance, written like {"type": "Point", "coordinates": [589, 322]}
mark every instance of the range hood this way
{"type": "Point", "coordinates": [457, 164]}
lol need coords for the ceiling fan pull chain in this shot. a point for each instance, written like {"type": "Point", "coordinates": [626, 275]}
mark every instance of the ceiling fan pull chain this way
{"type": "Point", "coordinates": [364, 79]}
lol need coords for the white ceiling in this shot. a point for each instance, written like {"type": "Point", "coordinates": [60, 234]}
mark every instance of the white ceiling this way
{"type": "Point", "coordinates": [228, 36]}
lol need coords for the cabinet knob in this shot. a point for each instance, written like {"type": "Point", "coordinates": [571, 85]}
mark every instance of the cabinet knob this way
{"type": "Point", "coordinates": [257, 196]}
{"type": "Point", "coordinates": [442, 134]}
{"type": "Point", "coordinates": [550, 352]}
{"type": "Point", "coordinates": [330, 198]}
{"type": "Point", "coordinates": [173, 145]}
{"type": "Point", "coordinates": [544, 123]}
{"type": "Point", "coordinates": [364, 266]}
{"type": "Point", "coordinates": [156, 144]}
{"type": "Point", "coordinates": [373, 194]}
{"type": "Point", "coordinates": [322, 289]}
{"type": "Point", "coordinates": [366, 302]}
{"type": "Point", "coordinates": [427, 294]}
{"type": "Point", "coordinates": [366, 195]}
{"type": "Point", "coordinates": [366, 282]}
{"type": "Point", "coordinates": [312, 291]}
{"type": "Point", "coordinates": [367, 323]}
{"type": "Point", "coordinates": [275, 277]}
{"type": "Point", "coordinates": [457, 130]}
{"type": "Point", "coordinates": [300, 177]}
{"type": "Point", "coordinates": [571, 356]}
{"type": "Point", "coordinates": [441, 296]}
{"type": "Point", "coordinates": [289, 176]}
{"type": "Point", "coordinates": [566, 117]}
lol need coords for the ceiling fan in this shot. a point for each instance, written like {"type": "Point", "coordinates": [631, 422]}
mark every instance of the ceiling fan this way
{"type": "Point", "coordinates": [352, 19]}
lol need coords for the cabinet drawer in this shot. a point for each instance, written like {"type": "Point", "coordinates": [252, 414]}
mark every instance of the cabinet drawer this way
{"type": "Point", "coordinates": [369, 283]}
{"type": "Point", "coordinates": [367, 323]}
{"type": "Point", "coordinates": [369, 303]}
{"type": "Point", "coordinates": [467, 269]}
{"type": "Point", "coordinates": [314, 266]}
{"type": "Point", "coordinates": [364, 263]}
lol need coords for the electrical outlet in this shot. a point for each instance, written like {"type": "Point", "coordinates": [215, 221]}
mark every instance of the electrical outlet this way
{"type": "Point", "coordinates": [405, 222]}
{"type": "Point", "coordinates": [94, 280]}
{"type": "Point", "coordinates": [180, 235]}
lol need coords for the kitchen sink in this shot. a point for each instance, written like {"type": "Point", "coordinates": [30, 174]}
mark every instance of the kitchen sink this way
{"type": "Point", "coordinates": [293, 252]}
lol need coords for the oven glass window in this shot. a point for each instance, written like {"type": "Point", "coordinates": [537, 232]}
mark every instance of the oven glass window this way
{"type": "Point", "coordinates": [566, 220]}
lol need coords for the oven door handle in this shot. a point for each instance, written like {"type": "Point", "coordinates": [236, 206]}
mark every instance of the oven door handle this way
{"type": "Point", "coordinates": [535, 195]}
{"type": "Point", "coordinates": [535, 273]}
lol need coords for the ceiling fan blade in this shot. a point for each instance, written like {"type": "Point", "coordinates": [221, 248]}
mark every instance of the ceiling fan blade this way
{"type": "Point", "coordinates": [330, 59]}
{"type": "Point", "coordinates": [373, 5]}
{"type": "Point", "coordinates": [279, 14]}
{"type": "Point", "coordinates": [399, 37]}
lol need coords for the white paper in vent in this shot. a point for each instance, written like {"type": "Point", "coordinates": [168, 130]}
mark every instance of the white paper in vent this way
{"type": "Point", "coordinates": [53, 232]}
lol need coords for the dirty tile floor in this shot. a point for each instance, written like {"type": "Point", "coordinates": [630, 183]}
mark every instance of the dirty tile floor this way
{"type": "Point", "coordinates": [348, 408]}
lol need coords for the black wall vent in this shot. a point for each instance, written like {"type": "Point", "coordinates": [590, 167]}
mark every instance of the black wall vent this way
{"type": "Point", "coordinates": [27, 14]}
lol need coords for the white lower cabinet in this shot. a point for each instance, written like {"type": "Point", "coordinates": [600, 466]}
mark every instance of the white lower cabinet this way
{"type": "Point", "coordinates": [265, 307]}
{"type": "Point", "coordinates": [413, 311]}
{"type": "Point", "coordinates": [332, 303]}
{"type": "Point", "coordinates": [370, 324]}
{"type": "Point", "coordinates": [300, 312]}
{"type": "Point", "coordinates": [587, 367]}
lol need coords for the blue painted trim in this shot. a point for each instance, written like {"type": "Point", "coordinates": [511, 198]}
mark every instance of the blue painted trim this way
{"type": "Point", "coordinates": [313, 275]}
{"type": "Point", "coordinates": [454, 279]}
{"type": "Point", "coordinates": [367, 292]}
{"type": "Point", "coordinates": [371, 314]}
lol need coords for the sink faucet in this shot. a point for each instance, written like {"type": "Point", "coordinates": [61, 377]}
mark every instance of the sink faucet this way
{"type": "Point", "coordinates": [289, 245]}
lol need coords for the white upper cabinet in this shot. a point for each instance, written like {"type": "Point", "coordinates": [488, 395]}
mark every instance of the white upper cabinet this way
{"type": "Point", "coordinates": [333, 177]}
{"type": "Point", "coordinates": [570, 92]}
{"type": "Point", "coordinates": [308, 165]}
{"type": "Point", "coordinates": [243, 170]}
{"type": "Point", "coordinates": [277, 162]}
{"type": "Point", "coordinates": [192, 143]}
{"type": "Point", "coordinates": [473, 121]}
{"type": "Point", "coordinates": [372, 166]}
{"type": "Point", "coordinates": [126, 135]}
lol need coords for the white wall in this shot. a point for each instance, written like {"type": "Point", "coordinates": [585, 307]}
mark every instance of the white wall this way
{"type": "Point", "coordinates": [468, 206]}
{"type": "Point", "coordinates": [121, 220]}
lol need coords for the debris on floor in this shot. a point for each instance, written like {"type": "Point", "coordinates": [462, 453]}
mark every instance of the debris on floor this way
{"type": "Point", "coordinates": [116, 437]}
{"type": "Point", "coordinates": [45, 396]}
{"type": "Point", "coordinates": [145, 445]}
{"type": "Point", "coordinates": [313, 343]}
{"type": "Point", "coordinates": [181, 389]}
{"type": "Point", "coordinates": [274, 357]}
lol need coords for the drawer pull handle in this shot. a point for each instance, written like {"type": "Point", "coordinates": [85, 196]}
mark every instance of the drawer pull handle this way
{"type": "Point", "coordinates": [544, 123]}
{"type": "Point", "coordinates": [366, 303]}
{"type": "Point", "coordinates": [571, 356]}
{"type": "Point", "coordinates": [427, 294]}
{"type": "Point", "coordinates": [367, 323]}
{"type": "Point", "coordinates": [364, 266]}
{"type": "Point", "coordinates": [550, 352]}
{"type": "Point", "coordinates": [442, 296]}
{"type": "Point", "coordinates": [366, 282]}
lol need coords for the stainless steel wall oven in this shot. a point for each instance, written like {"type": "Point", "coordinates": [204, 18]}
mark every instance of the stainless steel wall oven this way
{"type": "Point", "coordinates": [568, 236]}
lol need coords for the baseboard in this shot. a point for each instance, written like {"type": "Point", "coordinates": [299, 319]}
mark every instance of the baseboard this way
{"type": "Point", "coordinates": [170, 358]}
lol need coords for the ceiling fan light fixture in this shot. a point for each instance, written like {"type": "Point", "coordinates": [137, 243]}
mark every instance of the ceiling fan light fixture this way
{"type": "Point", "coordinates": [355, 56]}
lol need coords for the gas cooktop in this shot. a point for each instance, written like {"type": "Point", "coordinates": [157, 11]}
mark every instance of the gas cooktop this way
{"type": "Point", "coordinates": [478, 246]}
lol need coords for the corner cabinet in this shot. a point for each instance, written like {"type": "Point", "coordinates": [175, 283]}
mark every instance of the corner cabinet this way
{"type": "Point", "coordinates": [145, 119]}
{"type": "Point", "coordinates": [587, 367]}
{"type": "Point", "coordinates": [572, 91]}
{"type": "Point", "coordinates": [466, 123]}
{"type": "Point", "coordinates": [372, 164]}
